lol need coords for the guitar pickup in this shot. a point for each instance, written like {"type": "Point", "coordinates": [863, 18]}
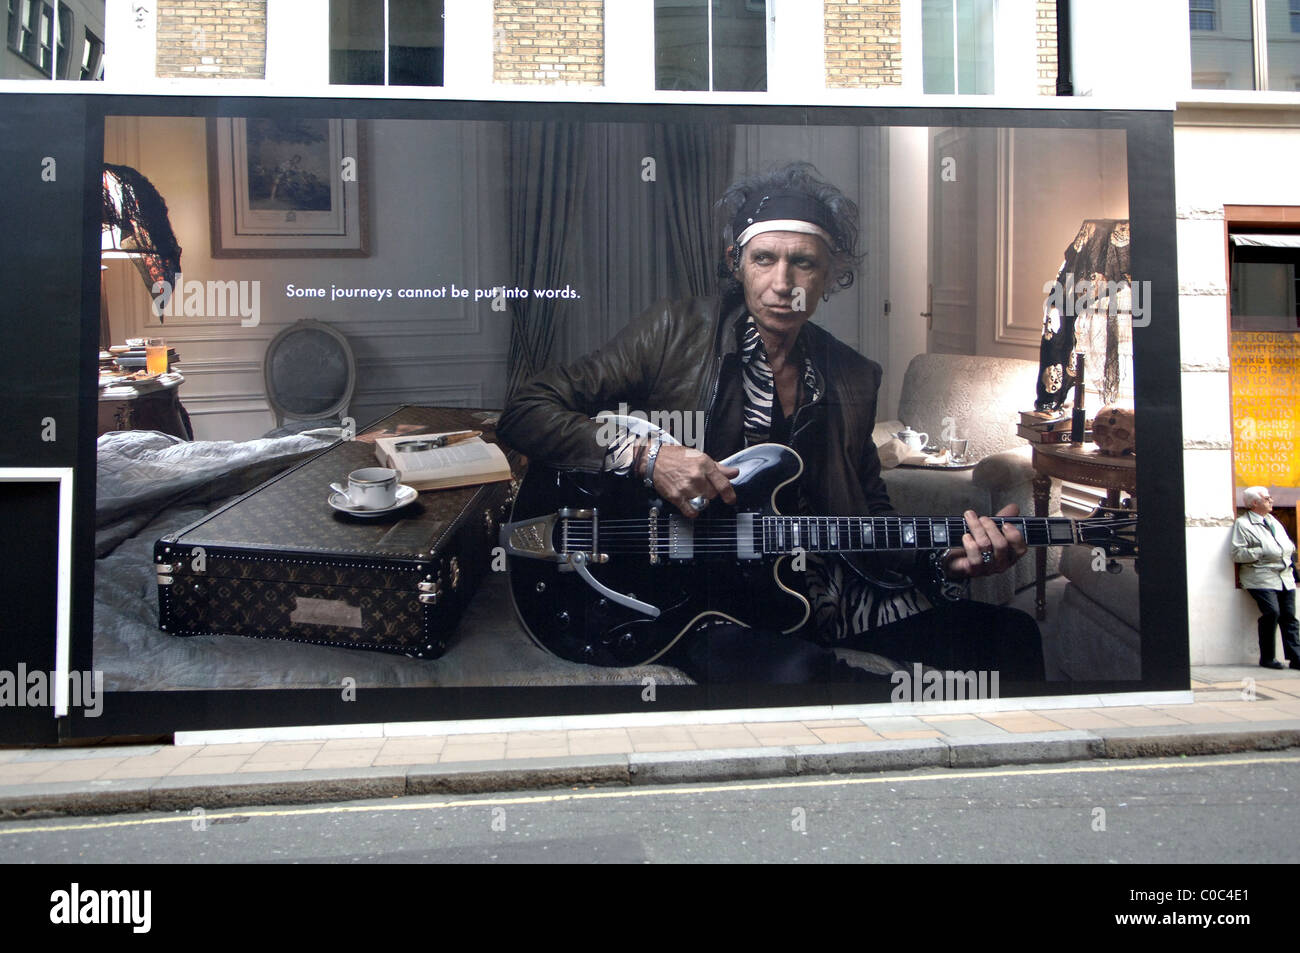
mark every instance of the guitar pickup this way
{"type": "Point", "coordinates": [681, 537]}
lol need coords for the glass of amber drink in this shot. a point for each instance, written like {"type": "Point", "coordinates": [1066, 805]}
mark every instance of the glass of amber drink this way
{"type": "Point", "coordinates": [155, 356]}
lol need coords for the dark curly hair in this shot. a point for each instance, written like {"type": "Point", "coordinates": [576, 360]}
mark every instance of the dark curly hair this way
{"type": "Point", "coordinates": [800, 177]}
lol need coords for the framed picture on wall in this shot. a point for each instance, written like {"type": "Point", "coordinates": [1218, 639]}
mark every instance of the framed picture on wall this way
{"type": "Point", "coordinates": [286, 187]}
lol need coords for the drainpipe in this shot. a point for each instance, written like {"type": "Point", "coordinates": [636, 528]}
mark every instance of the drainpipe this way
{"type": "Point", "coordinates": [1064, 70]}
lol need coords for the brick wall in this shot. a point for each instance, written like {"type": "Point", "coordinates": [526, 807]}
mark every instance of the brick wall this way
{"type": "Point", "coordinates": [549, 42]}
{"type": "Point", "coordinates": [218, 38]}
{"type": "Point", "coordinates": [863, 45]}
{"type": "Point", "coordinates": [1045, 18]}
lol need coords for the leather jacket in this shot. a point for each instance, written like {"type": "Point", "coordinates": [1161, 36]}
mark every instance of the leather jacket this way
{"type": "Point", "coordinates": [682, 356]}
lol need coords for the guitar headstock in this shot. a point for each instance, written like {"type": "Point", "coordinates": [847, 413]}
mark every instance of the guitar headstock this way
{"type": "Point", "coordinates": [1114, 530]}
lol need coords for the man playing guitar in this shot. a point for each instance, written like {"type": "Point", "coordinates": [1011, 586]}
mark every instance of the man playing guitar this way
{"type": "Point", "coordinates": [759, 372]}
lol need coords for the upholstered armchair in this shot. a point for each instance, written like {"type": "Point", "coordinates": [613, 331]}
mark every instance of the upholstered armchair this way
{"type": "Point", "coordinates": [979, 398]}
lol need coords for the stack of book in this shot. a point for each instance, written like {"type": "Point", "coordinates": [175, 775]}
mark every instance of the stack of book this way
{"type": "Point", "coordinates": [133, 359]}
{"type": "Point", "coordinates": [1046, 426]}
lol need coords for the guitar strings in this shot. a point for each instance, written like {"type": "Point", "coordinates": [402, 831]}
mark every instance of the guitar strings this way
{"type": "Point", "coordinates": [633, 536]}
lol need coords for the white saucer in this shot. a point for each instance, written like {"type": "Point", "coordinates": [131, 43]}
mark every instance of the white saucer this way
{"type": "Point", "coordinates": [405, 496]}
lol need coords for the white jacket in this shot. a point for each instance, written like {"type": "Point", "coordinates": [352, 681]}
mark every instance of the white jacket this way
{"type": "Point", "coordinates": [1266, 558]}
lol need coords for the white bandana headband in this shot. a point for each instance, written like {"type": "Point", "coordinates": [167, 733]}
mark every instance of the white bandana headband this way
{"type": "Point", "coordinates": [783, 225]}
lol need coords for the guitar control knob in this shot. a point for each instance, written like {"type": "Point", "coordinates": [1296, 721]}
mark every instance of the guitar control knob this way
{"type": "Point", "coordinates": [562, 617]}
{"type": "Point", "coordinates": [541, 587]}
{"type": "Point", "coordinates": [602, 602]}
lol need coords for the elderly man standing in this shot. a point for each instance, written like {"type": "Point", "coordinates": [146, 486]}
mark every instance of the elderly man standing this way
{"type": "Point", "coordinates": [756, 370]}
{"type": "Point", "coordinates": [1267, 557]}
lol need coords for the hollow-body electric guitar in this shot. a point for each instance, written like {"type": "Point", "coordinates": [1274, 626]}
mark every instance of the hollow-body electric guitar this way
{"type": "Point", "coordinates": [602, 571]}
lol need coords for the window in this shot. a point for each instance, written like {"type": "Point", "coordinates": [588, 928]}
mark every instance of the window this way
{"type": "Point", "coordinates": [62, 33]}
{"type": "Point", "coordinates": [92, 57]}
{"type": "Point", "coordinates": [1264, 276]}
{"type": "Point", "coordinates": [1264, 347]}
{"type": "Point", "coordinates": [1227, 54]}
{"type": "Point", "coordinates": [386, 42]}
{"type": "Point", "coordinates": [31, 31]}
{"type": "Point", "coordinates": [1203, 14]}
{"type": "Point", "coordinates": [711, 44]}
{"type": "Point", "coordinates": [43, 35]}
{"type": "Point", "coordinates": [957, 46]}
{"type": "Point", "coordinates": [45, 39]}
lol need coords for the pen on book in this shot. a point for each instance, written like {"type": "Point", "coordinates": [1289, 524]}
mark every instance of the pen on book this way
{"type": "Point", "coordinates": [416, 444]}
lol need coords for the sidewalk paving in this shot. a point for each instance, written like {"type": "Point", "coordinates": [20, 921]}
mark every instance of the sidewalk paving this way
{"type": "Point", "coordinates": [109, 778]}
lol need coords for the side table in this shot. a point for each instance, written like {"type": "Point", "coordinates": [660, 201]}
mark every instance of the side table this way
{"type": "Point", "coordinates": [153, 407]}
{"type": "Point", "coordinates": [1079, 463]}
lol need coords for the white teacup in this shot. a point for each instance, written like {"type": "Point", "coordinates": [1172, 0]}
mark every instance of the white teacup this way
{"type": "Point", "coordinates": [370, 488]}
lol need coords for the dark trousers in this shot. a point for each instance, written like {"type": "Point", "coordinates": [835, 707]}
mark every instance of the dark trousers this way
{"type": "Point", "coordinates": [1277, 606]}
{"type": "Point", "coordinates": [960, 636]}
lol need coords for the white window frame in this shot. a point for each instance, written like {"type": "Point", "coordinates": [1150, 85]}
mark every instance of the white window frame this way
{"type": "Point", "coordinates": [386, 83]}
{"type": "Point", "coordinates": [769, 32]}
{"type": "Point", "coordinates": [1258, 42]}
{"type": "Point", "coordinates": [1015, 51]}
{"type": "Point", "coordinates": [956, 64]}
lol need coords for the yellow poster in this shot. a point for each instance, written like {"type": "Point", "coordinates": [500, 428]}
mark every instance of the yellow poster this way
{"type": "Point", "coordinates": [1266, 408]}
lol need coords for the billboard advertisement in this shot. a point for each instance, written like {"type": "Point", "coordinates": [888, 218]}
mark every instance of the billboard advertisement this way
{"type": "Point", "coordinates": [416, 410]}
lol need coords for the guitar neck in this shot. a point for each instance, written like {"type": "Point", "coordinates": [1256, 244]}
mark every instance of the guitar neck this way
{"type": "Point", "coordinates": [865, 534]}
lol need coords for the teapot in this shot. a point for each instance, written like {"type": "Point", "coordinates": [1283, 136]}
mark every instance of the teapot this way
{"type": "Point", "coordinates": [915, 441]}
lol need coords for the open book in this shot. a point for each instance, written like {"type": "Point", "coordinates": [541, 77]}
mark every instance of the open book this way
{"type": "Point", "coordinates": [440, 468]}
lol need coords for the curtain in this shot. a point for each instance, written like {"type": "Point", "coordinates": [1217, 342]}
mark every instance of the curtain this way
{"type": "Point", "coordinates": [545, 175]}
{"type": "Point", "coordinates": [695, 163]}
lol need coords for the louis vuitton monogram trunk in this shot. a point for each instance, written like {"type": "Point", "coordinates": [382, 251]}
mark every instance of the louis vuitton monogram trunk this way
{"type": "Point", "coordinates": [279, 562]}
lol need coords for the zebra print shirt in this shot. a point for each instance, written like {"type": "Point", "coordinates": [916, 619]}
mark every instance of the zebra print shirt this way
{"type": "Point", "coordinates": [760, 388]}
{"type": "Point", "coordinates": [843, 604]}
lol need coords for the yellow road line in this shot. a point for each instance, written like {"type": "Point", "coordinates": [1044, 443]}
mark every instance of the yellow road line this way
{"type": "Point", "coordinates": [656, 791]}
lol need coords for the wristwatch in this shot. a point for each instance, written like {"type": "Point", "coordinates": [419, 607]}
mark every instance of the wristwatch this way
{"type": "Point", "coordinates": [949, 590]}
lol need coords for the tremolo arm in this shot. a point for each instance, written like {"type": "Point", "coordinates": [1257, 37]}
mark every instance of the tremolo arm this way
{"type": "Point", "coordinates": [535, 539]}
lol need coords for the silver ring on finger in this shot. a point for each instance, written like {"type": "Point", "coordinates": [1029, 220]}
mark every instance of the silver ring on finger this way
{"type": "Point", "coordinates": [986, 556]}
{"type": "Point", "coordinates": [697, 503]}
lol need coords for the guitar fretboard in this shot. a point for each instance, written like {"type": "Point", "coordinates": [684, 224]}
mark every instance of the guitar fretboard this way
{"type": "Point", "coordinates": [856, 534]}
